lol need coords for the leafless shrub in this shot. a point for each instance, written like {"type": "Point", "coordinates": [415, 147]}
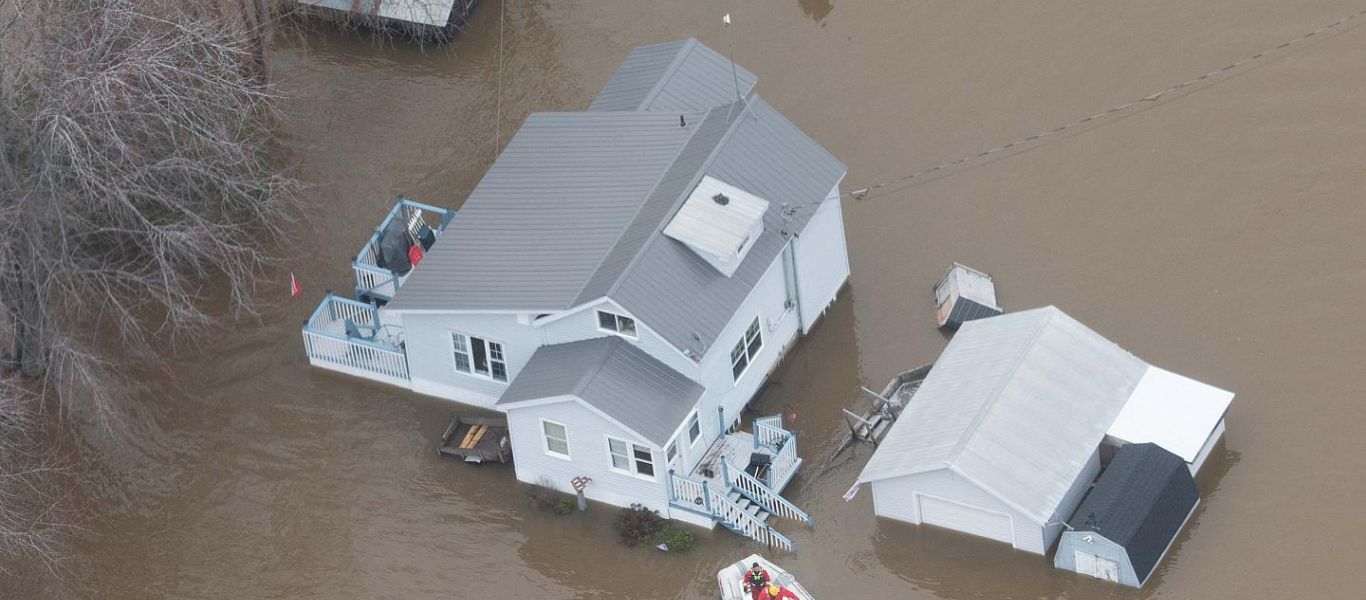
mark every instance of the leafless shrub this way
{"type": "Point", "coordinates": [31, 518]}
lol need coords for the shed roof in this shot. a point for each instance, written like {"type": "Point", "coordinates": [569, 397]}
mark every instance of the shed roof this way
{"type": "Point", "coordinates": [1140, 503]}
{"type": "Point", "coordinates": [1017, 404]}
{"type": "Point", "coordinates": [684, 76]}
{"type": "Point", "coordinates": [614, 377]}
{"type": "Point", "coordinates": [1175, 412]}
{"type": "Point", "coordinates": [435, 13]}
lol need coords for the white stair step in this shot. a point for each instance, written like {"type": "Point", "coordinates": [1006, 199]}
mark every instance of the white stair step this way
{"type": "Point", "coordinates": [753, 509]}
{"type": "Point", "coordinates": [734, 496]}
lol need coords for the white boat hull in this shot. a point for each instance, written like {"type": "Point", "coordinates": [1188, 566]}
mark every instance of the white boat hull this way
{"type": "Point", "coordinates": [731, 579]}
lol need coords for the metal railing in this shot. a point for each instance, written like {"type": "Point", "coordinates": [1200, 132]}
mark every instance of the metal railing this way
{"type": "Point", "coordinates": [380, 283]}
{"type": "Point", "coordinates": [761, 494]}
{"type": "Point", "coordinates": [377, 354]}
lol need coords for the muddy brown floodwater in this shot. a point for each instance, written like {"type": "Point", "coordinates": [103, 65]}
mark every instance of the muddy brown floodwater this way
{"type": "Point", "coordinates": [1217, 232]}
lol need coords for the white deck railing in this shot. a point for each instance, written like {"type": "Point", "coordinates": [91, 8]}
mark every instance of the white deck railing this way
{"type": "Point", "coordinates": [685, 493]}
{"type": "Point", "coordinates": [378, 354]}
{"type": "Point", "coordinates": [784, 464]}
{"type": "Point", "coordinates": [762, 494]}
{"type": "Point", "coordinates": [769, 432]}
{"type": "Point", "coordinates": [381, 283]}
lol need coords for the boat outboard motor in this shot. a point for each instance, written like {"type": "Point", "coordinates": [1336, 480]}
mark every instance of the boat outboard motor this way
{"type": "Point", "coordinates": [392, 252]}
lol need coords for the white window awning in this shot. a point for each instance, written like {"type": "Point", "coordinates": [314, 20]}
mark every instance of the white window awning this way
{"type": "Point", "coordinates": [719, 222]}
{"type": "Point", "coordinates": [1175, 412]}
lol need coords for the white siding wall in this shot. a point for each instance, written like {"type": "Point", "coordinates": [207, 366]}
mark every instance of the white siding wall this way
{"type": "Point", "coordinates": [588, 433]}
{"type": "Point", "coordinates": [1072, 541]}
{"type": "Point", "coordinates": [895, 499]}
{"type": "Point", "coordinates": [432, 366]}
{"type": "Point", "coordinates": [778, 327]}
{"type": "Point", "coordinates": [822, 259]}
{"type": "Point", "coordinates": [1073, 498]}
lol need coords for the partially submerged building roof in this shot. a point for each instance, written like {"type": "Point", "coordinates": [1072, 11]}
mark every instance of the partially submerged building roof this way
{"type": "Point", "coordinates": [573, 211]}
{"type": "Point", "coordinates": [1017, 404]}
{"type": "Point", "coordinates": [1175, 412]}
{"type": "Point", "coordinates": [1140, 503]}
{"type": "Point", "coordinates": [683, 76]}
{"type": "Point", "coordinates": [435, 13]}
{"type": "Point", "coordinates": [614, 377]}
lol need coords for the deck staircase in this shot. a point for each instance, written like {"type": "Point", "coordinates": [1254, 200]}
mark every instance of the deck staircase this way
{"type": "Point", "coordinates": [741, 502]}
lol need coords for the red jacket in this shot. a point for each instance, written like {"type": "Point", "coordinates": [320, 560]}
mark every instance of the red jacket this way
{"type": "Point", "coordinates": [755, 590]}
{"type": "Point", "coordinates": [783, 594]}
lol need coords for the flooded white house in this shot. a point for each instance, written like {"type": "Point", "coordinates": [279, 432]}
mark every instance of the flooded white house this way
{"type": "Point", "coordinates": [620, 284]}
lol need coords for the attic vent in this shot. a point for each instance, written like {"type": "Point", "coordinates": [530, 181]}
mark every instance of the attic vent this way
{"type": "Point", "coordinates": [721, 199]}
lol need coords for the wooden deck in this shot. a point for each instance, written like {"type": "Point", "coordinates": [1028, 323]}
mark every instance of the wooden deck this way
{"type": "Point", "coordinates": [477, 440]}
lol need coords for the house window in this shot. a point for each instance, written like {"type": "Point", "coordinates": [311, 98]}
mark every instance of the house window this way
{"type": "Point", "coordinates": [694, 430]}
{"type": "Point", "coordinates": [556, 438]}
{"type": "Point", "coordinates": [672, 452]}
{"type": "Point", "coordinates": [479, 356]}
{"type": "Point", "coordinates": [631, 458]}
{"type": "Point", "coordinates": [745, 350]}
{"type": "Point", "coordinates": [616, 323]}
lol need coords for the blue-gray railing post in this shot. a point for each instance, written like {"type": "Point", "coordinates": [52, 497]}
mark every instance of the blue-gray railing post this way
{"type": "Point", "coordinates": [720, 421]}
{"type": "Point", "coordinates": [672, 496]}
{"type": "Point", "coordinates": [706, 497]}
{"type": "Point", "coordinates": [725, 471]}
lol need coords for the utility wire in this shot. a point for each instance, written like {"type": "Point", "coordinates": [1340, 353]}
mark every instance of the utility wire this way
{"type": "Point", "coordinates": [860, 194]}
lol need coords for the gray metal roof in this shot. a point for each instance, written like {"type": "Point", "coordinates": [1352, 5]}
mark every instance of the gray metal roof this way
{"type": "Point", "coordinates": [1140, 503]}
{"type": "Point", "coordinates": [573, 210]}
{"type": "Point", "coordinates": [1017, 404]}
{"type": "Point", "coordinates": [547, 213]}
{"type": "Point", "coordinates": [672, 77]}
{"type": "Point", "coordinates": [673, 290]}
{"type": "Point", "coordinates": [613, 376]}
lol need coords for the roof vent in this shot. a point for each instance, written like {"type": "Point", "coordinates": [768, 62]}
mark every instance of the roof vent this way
{"type": "Point", "coordinates": [721, 199]}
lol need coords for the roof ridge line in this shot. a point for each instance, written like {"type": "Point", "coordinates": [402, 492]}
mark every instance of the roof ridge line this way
{"type": "Point", "coordinates": [639, 209]}
{"type": "Point", "coordinates": [686, 49]}
{"type": "Point", "coordinates": [589, 376]}
{"type": "Point", "coordinates": [682, 197]}
{"type": "Point", "coordinates": [996, 393]}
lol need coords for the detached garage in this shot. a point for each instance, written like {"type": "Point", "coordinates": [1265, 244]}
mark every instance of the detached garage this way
{"type": "Point", "coordinates": [1002, 439]}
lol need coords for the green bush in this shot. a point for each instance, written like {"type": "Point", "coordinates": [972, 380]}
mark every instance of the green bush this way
{"type": "Point", "coordinates": [676, 539]}
{"type": "Point", "coordinates": [637, 524]}
{"type": "Point", "coordinates": [565, 506]}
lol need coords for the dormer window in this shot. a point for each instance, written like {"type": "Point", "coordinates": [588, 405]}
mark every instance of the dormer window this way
{"type": "Point", "coordinates": [618, 324]}
{"type": "Point", "coordinates": [720, 223]}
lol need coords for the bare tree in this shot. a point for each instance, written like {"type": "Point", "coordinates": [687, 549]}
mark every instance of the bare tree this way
{"type": "Point", "coordinates": [137, 195]}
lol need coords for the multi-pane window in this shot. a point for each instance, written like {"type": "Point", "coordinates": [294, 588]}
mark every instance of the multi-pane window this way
{"type": "Point", "coordinates": [632, 458]}
{"type": "Point", "coordinates": [556, 438]}
{"type": "Point", "coordinates": [745, 350]}
{"type": "Point", "coordinates": [671, 452]}
{"type": "Point", "coordinates": [694, 430]}
{"type": "Point", "coordinates": [616, 323]}
{"type": "Point", "coordinates": [479, 356]}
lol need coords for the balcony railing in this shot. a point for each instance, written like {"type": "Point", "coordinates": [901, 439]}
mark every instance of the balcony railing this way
{"type": "Point", "coordinates": [422, 224]}
{"type": "Point", "coordinates": [347, 336]}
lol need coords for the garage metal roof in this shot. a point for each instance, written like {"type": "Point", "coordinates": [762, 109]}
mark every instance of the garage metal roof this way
{"type": "Point", "coordinates": [1017, 404]}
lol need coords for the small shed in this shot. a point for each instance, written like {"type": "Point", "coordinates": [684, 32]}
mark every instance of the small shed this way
{"type": "Point", "coordinates": [1130, 518]}
{"type": "Point", "coordinates": [964, 294]}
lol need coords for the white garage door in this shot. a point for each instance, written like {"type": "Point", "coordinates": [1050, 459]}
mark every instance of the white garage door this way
{"type": "Point", "coordinates": [968, 519]}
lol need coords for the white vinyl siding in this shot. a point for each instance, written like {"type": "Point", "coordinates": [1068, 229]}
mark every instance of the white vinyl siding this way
{"type": "Point", "coordinates": [900, 498]}
{"type": "Point", "coordinates": [618, 324]}
{"type": "Point", "coordinates": [968, 519]}
{"type": "Point", "coordinates": [746, 349]}
{"type": "Point", "coordinates": [478, 356]}
{"type": "Point", "coordinates": [556, 437]}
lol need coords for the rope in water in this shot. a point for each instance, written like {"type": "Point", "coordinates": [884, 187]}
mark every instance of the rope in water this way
{"type": "Point", "coordinates": [864, 192]}
{"type": "Point", "coordinates": [498, 114]}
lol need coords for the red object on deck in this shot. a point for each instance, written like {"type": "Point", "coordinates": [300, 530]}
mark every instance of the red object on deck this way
{"type": "Point", "coordinates": [415, 254]}
{"type": "Point", "coordinates": [295, 290]}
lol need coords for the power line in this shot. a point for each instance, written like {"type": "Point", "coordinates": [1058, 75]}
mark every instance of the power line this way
{"type": "Point", "coordinates": [860, 194]}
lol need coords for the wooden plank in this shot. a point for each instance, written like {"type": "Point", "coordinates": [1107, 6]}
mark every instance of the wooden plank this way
{"type": "Point", "coordinates": [465, 441]}
{"type": "Point", "coordinates": [478, 436]}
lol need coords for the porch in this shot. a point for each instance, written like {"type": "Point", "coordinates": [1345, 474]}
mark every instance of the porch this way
{"type": "Point", "coordinates": [738, 482]}
{"type": "Point", "coordinates": [349, 337]}
{"type": "Point", "coordinates": [391, 254]}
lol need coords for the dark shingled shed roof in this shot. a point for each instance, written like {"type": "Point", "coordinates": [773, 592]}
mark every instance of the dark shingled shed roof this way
{"type": "Point", "coordinates": [1140, 503]}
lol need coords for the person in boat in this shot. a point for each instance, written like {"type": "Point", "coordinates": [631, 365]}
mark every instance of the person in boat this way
{"type": "Point", "coordinates": [756, 580]}
{"type": "Point", "coordinates": [773, 592]}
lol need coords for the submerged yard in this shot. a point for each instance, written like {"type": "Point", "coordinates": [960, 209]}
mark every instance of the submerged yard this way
{"type": "Point", "coordinates": [1214, 231]}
